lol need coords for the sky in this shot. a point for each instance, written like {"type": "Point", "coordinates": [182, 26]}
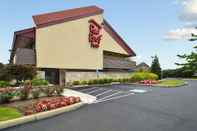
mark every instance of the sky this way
{"type": "Point", "coordinates": [150, 27]}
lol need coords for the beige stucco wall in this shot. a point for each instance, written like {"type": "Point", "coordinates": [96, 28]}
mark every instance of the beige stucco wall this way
{"type": "Point", "coordinates": [66, 46]}
{"type": "Point", "coordinates": [109, 44]}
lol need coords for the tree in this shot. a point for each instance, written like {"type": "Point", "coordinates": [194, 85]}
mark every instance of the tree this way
{"type": "Point", "coordinates": [155, 67]}
{"type": "Point", "coordinates": [18, 72]}
{"type": "Point", "coordinates": [191, 61]}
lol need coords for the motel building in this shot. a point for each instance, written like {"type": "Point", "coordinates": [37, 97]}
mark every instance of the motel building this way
{"type": "Point", "coordinates": [74, 44]}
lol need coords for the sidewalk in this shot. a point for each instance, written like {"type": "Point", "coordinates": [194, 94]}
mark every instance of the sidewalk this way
{"type": "Point", "coordinates": [86, 98]}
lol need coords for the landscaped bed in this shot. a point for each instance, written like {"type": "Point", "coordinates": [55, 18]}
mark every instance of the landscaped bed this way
{"type": "Point", "coordinates": [28, 99]}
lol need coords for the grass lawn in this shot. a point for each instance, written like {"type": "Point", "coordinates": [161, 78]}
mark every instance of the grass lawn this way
{"type": "Point", "coordinates": [7, 113]}
{"type": "Point", "coordinates": [171, 83]}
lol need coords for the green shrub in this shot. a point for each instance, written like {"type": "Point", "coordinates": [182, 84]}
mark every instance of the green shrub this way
{"type": "Point", "coordinates": [39, 82]}
{"type": "Point", "coordinates": [18, 72]}
{"type": "Point", "coordinates": [95, 81]}
{"type": "Point", "coordinates": [125, 80]}
{"type": "Point", "coordinates": [36, 93]}
{"type": "Point", "coordinates": [6, 97]}
{"type": "Point", "coordinates": [49, 91]}
{"type": "Point", "coordinates": [115, 80]}
{"type": "Point", "coordinates": [59, 90]}
{"type": "Point", "coordinates": [76, 82]}
{"type": "Point", "coordinates": [90, 82]}
{"type": "Point", "coordinates": [138, 76]}
{"type": "Point", "coordinates": [4, 84]}
{"type": "Point", "coordinates": [24, 92]}
{"type": "Point", "coordinates": [101, 81]}
{"type": "Point", "coordinates": [84, 82]}
{"type": "Point", "coordinates": [109, 80]}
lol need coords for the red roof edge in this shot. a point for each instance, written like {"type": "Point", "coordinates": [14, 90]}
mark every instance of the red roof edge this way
{"type": "Point", "coordinates": [47, 19]}
{"type": "Point", "coordinates": [108, 28]}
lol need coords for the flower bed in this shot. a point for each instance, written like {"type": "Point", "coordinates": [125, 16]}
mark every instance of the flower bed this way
{"type": "Point", "coordinates": [7, 89]}
{"type": "Point", "coordinates": [149, 82]}
{"type": "Point", "coordinates": [46, 105]}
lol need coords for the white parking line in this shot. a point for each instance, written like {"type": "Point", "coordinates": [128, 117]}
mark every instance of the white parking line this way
{"type": "Point", "coordinates": [103, 93]}
{"type": "Point", "coordinates": [119, 92]}
{"type": "Point", "coordinates": [95, 91]}
{"type": "Point", "coordinates": [113, 98]}
{"type": "Point", "coordinates": [89, 89]}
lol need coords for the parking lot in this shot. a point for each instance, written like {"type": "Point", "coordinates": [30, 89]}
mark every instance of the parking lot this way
{"type": "Point", "coordinates": [104, 94]}
{"type": "Point", "coordinates": [118, 108]}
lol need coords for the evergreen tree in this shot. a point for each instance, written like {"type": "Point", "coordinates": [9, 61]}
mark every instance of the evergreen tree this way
{"type": "Point", "coordinates": [191, 61]}
{"type": "Point", "coordinates": [155, 67]}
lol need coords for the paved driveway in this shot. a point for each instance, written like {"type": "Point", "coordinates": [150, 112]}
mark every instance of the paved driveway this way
{"type": "Point", "coordinates": [159, 109]}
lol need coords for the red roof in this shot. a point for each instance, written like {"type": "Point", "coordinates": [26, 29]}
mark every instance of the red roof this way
{"type": "Point", "coordinates": [66, 15]}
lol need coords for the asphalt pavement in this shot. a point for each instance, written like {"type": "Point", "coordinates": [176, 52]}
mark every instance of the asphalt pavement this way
{"type": "Point", "coordinates": [159, 109]}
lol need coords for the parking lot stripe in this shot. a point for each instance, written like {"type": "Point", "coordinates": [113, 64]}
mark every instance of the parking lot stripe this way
{"type": "Point", "coordinates": [119, 92]}
{"type": "Point", "coordinates": [88, 89]}
{"type": "Point", "coordinates": [103, 93]}
{"type": "Point", "coordinates": [95, 91]}
{"type": "Point", "coordinates": [113, 98]}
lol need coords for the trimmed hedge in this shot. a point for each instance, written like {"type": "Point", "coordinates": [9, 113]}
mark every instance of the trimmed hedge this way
{"type": "Point", "coordinates": [135, 77]}
{"type": "Point", "coordinates": [39, 82]}
{"type": "Point", "coordinates": [139, 76]}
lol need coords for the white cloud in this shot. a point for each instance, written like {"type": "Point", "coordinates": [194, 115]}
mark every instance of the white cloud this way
{"type": "Point", "coordinates": [180, 34]}
{"type": "Point", "coordinates": [189, 12]}
{"type": "Point", "coordinates": [189, 16]}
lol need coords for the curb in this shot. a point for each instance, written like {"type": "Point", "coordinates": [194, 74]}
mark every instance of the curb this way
{"type": "Point", "coordinates": [190, 79]}
{"type": "Point", "coordinates": [185, 83]}
{"type": "Point", "coordinates": [88, 86]}
{"type": "Point", "coordinates": [39, 116]}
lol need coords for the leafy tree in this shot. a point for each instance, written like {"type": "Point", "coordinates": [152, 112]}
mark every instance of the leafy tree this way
{"type": "Point", "coordinates": [191, 61]}
{"type": "Point", "coordinates": [155, 66]}
{"type": "Point", "coordinates": [18, 72]}
{"type": "Point", "coordinates": [1, 66]}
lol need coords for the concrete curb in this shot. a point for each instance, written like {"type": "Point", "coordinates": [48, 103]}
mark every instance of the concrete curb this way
{"type": "Point", "coordinates": [39, 116]}
{"type": "Point", "coordinates": [185, 83]}
{"type": "Point", "coordinates": [87, 86]}
{"type": "Point", "coordinates": [135, 84]}
{"type": "Point", "coordinates": [190, 79]}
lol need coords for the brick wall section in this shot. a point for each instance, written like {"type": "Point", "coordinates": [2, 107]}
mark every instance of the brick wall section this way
{"type": "Point", "coordinates": [114, 62]}
{"type": "Point", "coordinates": [72, 76]}
{"type": "Point", "coordinates": [25, 56]}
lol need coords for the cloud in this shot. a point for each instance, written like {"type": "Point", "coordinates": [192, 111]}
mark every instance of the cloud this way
{"type": "Point", "coordinates": [180, 34]}
{"type": "Point", "coordinates": [188, 15]}
{"type": "Point", "coordinates": [189, 10]}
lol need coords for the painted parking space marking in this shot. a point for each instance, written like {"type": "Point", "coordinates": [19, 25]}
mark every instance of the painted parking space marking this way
{"type": "Point", "coordinates": [105, 92]}
{"type": "Point", "coordinates": [89, 89]}
{"type": "Point", "coordinates": [95, 90]}
{"type": "Point", "coordinates": [119, 92]}
{"type": "Point", "coordinates": [113, 98]}
{"type": "Point", "coordinates": [138, 91]}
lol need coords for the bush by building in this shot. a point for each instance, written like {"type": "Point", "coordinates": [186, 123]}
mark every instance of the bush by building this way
{"type": "Point", "coordinates": [17, 72]}
{"type": "Point", "coordinates": [139, 76]}
{"type": "Point", "coordinates": [4, 84]}
{"type": "Point", "coordinates": [39, 82]}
